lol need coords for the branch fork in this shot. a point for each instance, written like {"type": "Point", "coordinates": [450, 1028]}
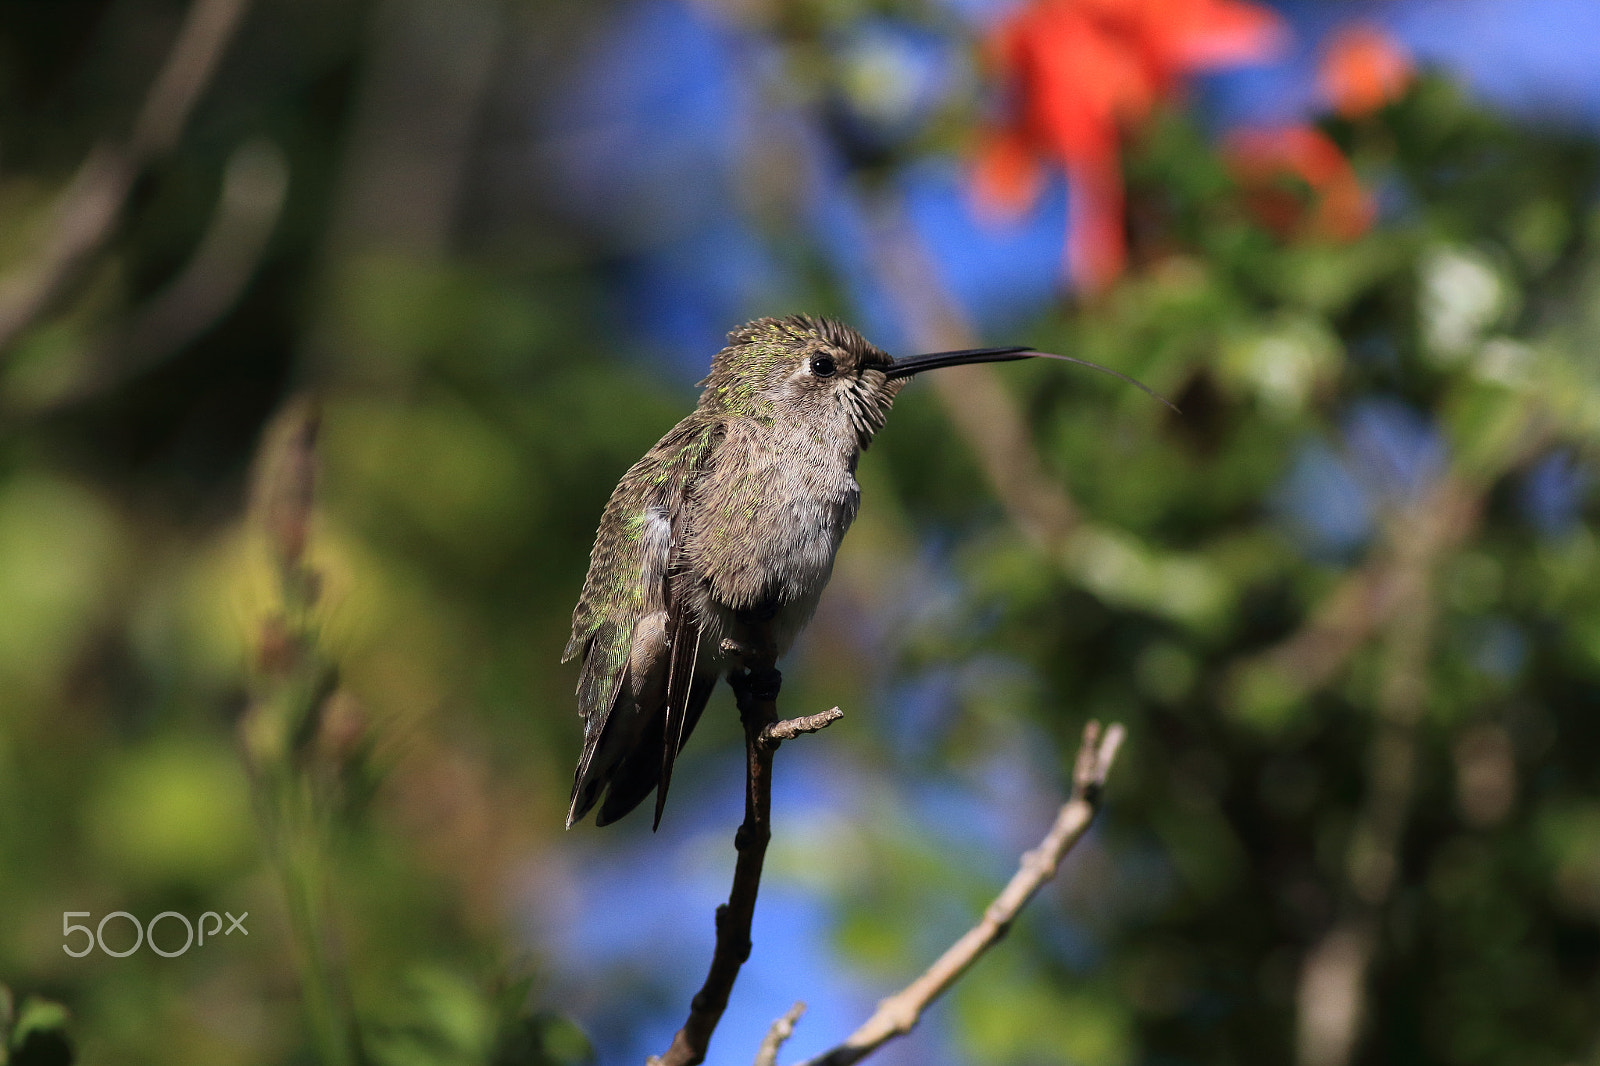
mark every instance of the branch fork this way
{"type": "Point", "coordinates": [756, 689]}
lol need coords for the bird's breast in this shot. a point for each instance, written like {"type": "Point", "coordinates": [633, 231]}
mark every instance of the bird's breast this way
{"type": "Point", "coordinates": [804, 531]}
{"type": "Point", "coordinates": [772, 535]}
{"type": "Point", "coordinates": [798, 553]}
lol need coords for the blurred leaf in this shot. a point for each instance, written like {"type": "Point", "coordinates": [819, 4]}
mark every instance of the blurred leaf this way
{"type": "Point", "coordinates": [177, 809]}
{"type": "Point", "coordinates": [435, 1018]}
{"type": "Point", "coordinates": [38, 1035]}
{"type": "Point", "coordinates": [58, 553]}
{"type": "Point", "coordinates": [1008, 1019]}
{"type": "Point", "coordinates": [437, 468]}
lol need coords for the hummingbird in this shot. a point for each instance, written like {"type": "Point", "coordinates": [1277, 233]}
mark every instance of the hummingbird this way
{"type": "Point", "coordinates": [723, 536]}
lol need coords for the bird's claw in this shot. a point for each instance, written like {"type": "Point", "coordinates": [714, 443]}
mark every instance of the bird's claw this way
{"type": "Point", "coordinates": [752, 686]}
{"type": "Point", "coordinates": [737, 649]}
{"type": "Point", "coordinates": [765, 682]}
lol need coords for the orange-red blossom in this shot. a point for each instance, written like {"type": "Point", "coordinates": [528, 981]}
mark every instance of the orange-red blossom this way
{"type": "Point", "coordinates": [1338, 206]}
{"type": "Point", "coordinates": [1082, 71]}
{"type": "Point", "coordinates": [1362, 70]}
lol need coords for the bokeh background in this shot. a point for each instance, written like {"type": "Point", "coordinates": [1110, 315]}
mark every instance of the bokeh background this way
{"type": "Point", "coordinates": [1347, 605]}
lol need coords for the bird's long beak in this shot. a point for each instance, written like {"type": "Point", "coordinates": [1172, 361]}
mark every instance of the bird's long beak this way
{"type": "Point", "coordinates": [916, 364]}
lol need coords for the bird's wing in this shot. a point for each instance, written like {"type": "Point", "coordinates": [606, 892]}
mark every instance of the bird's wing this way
{"type": "Point", "coordinates": [626, 608]}
{"type": "Point", "coordinates": [683, 638]}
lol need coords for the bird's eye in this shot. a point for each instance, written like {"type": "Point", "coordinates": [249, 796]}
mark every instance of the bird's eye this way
{"type": "Point", "coordinates": [823, 366]}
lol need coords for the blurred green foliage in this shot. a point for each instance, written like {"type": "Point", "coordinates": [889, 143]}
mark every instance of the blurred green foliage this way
{"type": "Point", "coordinates": [475, 414]}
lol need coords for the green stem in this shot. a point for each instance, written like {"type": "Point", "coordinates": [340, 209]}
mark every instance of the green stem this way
{"type": "Point", "coordinates": [299, 850]}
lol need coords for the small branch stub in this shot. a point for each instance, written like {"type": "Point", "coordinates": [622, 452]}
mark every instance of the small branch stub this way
{"type": "Point", "coordinates": [778, 732]}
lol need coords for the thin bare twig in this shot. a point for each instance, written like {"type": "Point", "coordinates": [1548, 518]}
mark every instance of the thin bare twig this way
{"type": "Point", "coordinates": [778, 732]}
{"type": "Point", "coordinates": [254, 186]}
{"type": "Point", "coordinates": [899, 1014]}
{"type": "Point", "coordinates": [756, 689]}
{"type": "Point", "coordinates": [782, 1029]}
{"type": "Point", "coordinates": [89, 208]}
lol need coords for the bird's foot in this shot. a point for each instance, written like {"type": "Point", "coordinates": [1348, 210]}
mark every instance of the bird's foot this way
{"type": "Point", "coordinates": [765, 682]}
{"type": "Point", "coordinates": [737, 649]}
{"type": "Point", "coordinates": [749, 657]}
{"type": "Point", "coordinates": [752, 686]}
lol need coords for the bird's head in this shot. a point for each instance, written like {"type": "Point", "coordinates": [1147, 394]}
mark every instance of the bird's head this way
{"type": "Point", "coordinates": [821, 372]}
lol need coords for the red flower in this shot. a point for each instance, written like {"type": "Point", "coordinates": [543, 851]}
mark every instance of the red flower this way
{"type": "Point", "coordinates": [1081, 72]}
{"type": "Point", "coordinates": [1337, 208]}
{"type": "Point", "coordinates": [1363, 69]}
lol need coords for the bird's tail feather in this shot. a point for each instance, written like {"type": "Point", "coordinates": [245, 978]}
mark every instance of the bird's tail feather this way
{"type": "Point", "coordinates": [680, 683]}
{"type": "Point", "coordinates": [640, 771]}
